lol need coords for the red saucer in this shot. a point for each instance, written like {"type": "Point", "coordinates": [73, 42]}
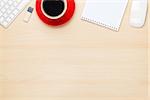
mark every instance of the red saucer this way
{"type": "Point", "coordinates": [55, 22]}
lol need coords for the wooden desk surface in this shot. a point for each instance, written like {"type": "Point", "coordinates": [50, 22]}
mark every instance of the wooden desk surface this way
{"type": "Point", "coordinates": [78, 61]}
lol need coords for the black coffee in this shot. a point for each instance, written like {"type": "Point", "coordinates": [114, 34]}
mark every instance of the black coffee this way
{"type": "Point", "coordinates": [53, 7]}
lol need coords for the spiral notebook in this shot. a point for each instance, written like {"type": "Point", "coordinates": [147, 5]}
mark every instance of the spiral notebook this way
{"type": "Point", "coordinates": [106, 13]}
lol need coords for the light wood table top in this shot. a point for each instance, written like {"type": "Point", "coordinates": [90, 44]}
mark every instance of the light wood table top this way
{"type": "Point", "coordinates": [78, 61]}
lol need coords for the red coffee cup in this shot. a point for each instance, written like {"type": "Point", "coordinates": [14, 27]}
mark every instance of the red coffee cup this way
{"type": "Point", "coordinates": [55, 12]}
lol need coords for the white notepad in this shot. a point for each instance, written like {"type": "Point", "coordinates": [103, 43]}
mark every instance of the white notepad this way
{"type": "Point", "coordinates": [107, 13]}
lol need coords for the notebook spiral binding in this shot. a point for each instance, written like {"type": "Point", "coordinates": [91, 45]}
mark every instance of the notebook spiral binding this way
{"type": "Point", "coordinates": [99, 23]}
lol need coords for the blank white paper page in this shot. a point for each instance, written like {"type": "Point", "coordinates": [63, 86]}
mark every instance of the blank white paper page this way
{"type": "Point", "coordinates": [107, 13]}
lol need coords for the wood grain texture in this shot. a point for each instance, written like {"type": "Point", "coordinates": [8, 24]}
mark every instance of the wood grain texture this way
{"type": "Point", "coordinates": [77, 61]}
{"type": "Point", "coordinates": [149, 54]}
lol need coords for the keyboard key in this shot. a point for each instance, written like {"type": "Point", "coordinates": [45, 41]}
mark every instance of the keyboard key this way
{"type": "Point", "coordinates": [15, 3]}
{"type": "Point", "coordinates": [10, 2]}
{"type": "Point", "coordinates": [5, 24]}
{"type": "Point", "coordinates": [5, 15]}
{"type": "Point", "coordinates": [1, 4]}
{"type": "Point", "coordinates": [1, 19]}
{"type": "Point", "coordinates": [3, 10]}
{"type": "Point", "coordinates": [9, 11]}
{"type": "Point", "coordinates": [1, 13]}
{"type": "Point", "coordinates": [12, 16]}
{"type": "Point", "coordinates": [6, 6]}
{"type": "Point", "coordinates": [12, 8]}
{"type": "Point", "coordinates": [15, 12]}
{"type": "Point", "coordinates": [8, 19]}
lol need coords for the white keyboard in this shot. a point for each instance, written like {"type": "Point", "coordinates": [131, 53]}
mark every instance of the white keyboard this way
{"type": "Point", "coordinates": [10, 9]}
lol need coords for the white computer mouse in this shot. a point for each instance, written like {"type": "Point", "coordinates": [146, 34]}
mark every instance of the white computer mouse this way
{"type": "Point", "coordinates": [138, 13]}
